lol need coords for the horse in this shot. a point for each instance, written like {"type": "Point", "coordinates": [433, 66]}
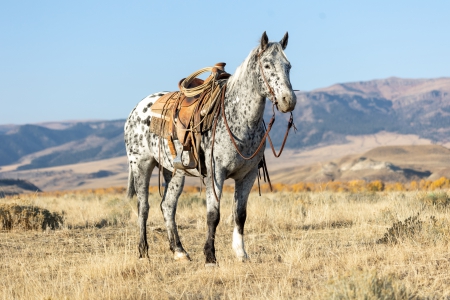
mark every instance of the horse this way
{"type": "Point", "coordinates": [225, 150]}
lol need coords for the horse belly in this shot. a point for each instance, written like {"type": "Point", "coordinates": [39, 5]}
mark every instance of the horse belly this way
{"type": "Point", "coordinates": [163, 156]}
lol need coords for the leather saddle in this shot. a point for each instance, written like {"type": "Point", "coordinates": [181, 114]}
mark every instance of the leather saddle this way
{"type": "Point", "coordinates": [177, 116]}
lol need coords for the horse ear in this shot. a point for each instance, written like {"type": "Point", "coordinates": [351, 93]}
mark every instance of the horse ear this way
{"type": "Point", "coordinates": [284, 41]}
{"type": "Point", "coordinates": [264, 41]}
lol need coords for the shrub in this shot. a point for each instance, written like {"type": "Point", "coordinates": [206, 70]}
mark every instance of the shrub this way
{"type": "Point", "coordinates": [13, 216]}
{"type": "Point", "coordinates": [368, 286]}
{"type": "Point", "coordinates": [439, 200]}
{"type": "Point", "coordinates": [402, 230]}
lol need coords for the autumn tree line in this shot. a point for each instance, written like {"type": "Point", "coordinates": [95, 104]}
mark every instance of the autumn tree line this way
{"type": "Point", "coordinates": [352, 186]}
{"type": "Point", "coordinates": [356, 186]}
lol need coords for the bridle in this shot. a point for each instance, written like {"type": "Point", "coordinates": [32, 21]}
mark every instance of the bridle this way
{"type": "Point", "coordinates": [266, 134]}
{"type": "Point", "coordinates": [274, 98]}
{"type": "Point", "coordinates": [272, 120]}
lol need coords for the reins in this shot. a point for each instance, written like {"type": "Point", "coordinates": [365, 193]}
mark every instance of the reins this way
{"type": "Point", "coordinates": [269, 127]}
{"type": "Point", "coordinates": [221, 107]}
{"type": "Point", "coordinates": [272, 120]}
{"type": "Point", "coordinates": [290, 124]}
{"type": "Point", "coordinates": [266, 134]}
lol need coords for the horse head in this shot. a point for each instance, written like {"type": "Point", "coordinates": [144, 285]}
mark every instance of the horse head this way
{"type": "Point", "coordinates": [273, 73]}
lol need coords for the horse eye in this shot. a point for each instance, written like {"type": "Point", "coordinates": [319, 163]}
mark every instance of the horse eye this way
{"type": "Point", "coordinates": [267, 66]}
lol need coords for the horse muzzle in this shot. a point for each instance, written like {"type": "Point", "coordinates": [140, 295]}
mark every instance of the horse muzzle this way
{"type": "Point", "coordinates": [286, 102]}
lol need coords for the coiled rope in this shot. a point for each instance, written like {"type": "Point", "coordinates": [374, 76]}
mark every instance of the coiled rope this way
{"type": "Point", "coordinates": [192, 92]}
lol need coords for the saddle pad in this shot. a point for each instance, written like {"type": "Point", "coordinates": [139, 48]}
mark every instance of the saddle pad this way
{"type": "Point", "coordinates": [159, 127]}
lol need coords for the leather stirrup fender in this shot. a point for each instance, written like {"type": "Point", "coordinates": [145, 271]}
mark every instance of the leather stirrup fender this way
{"type": "Point", "coordinates": [171, 146]}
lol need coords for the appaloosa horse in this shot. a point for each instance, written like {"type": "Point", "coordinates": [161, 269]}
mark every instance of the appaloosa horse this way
{"type": "Point", "coordinates": [263, 74]}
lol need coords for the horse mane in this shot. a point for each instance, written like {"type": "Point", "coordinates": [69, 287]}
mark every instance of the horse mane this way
{"type": "Point", "coordinates": [243, 67]}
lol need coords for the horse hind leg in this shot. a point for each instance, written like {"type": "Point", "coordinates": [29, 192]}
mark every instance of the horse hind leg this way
{"type": "Point", "coordinates": [130, 188]}
{"type": "Point", "coordinates": [174, 187]}
{"type": "Point", "coordinates": [141, 171]}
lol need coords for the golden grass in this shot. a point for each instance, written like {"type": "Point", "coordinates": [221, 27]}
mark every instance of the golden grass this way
{"type": "Point", "coordinates": [301, 245]}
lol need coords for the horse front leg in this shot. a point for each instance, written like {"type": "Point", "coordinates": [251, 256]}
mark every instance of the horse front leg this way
{"type": "Point", "coordinates": [174, 187]}
{"type": "Point", "coordinates": [213, 216]}
{"type": "Point", "coordinates": [241, 192]}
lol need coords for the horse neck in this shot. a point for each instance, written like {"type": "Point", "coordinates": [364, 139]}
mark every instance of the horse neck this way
{"type": "Point", "coordinates": [243, 103]}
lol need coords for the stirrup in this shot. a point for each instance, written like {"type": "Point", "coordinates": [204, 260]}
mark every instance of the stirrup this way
{"type": "Point", "coordinates": [178, 161]}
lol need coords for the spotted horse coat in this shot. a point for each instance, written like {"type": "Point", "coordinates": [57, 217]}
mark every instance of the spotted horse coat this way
{"type": "Point", "coordinates": [244, 102]}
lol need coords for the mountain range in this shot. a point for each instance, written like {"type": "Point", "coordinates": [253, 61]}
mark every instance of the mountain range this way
{"type": "Point", "coordinates": [54, 144]}
{"type": "Point", "coordinates": [403, 106]}
{"type": "Point", "coordinates": [323, 117]}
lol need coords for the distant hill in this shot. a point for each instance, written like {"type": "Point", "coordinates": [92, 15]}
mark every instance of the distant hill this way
{"type": "Point", "coordinates": [388, 163]}
{"type": "Point", "coordinates": [9, 187]}
{"type": "Point", "coordinates": [45, 147]}
{"type": "Point", "coordinates": [359, 159]}
{"type": "Point", "coordinates": [323, 117]}
{"type": "Point", "coordinates": [404, 106]}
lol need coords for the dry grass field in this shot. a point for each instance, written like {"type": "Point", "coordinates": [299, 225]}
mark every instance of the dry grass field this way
{"type": "Point", "coordinates": [308, 245]}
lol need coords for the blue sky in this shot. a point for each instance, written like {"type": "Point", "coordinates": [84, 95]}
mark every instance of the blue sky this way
{"type": "Point", "coordinates": [70, 60]}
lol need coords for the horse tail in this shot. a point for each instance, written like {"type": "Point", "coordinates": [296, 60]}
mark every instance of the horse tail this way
{"type": "Point", "coordinates": [131, 191]}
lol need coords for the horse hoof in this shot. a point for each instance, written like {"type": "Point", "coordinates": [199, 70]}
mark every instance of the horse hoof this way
{"type": "Point", "coordinates": [211, 265]}
{"type": "Point", "coordinates": [241, 255]}
{"type": "Point", "coordinates": [181, 257]}
{"type": "Point", "coordinates": [243, 258]}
